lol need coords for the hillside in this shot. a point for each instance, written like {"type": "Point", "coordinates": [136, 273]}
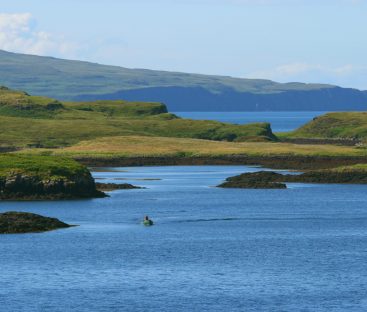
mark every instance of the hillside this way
{"type": "Point", "coordinates": [33, 121]}
{"type": "Point", "coordinates": [346, 125]}
{"type": "Point", "coordinates": [83, 81]}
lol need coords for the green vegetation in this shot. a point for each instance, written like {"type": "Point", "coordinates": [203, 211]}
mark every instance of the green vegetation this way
{"type": "Point", "coordinates": [34, 177]}
{"type": "Point", "coordinates": [119, 129]}
{"type": "Point", "coordinates": [42, 166]}
{"type": "Point", "coordinates": [122, 108]}
{"type": "Point", "coordinates": [346, 125]}
{"type": "Point", "coordinates": [20, 104]}
{"type": "Point", "coordinates": [357, 167]}
{"type": "Point", "coordinates": [141, 146]}
{"type": "Point", "coordinates": [42, 122]}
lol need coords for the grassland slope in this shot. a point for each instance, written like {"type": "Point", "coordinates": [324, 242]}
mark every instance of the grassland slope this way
{"type": "Point", "coordinates": [343, 125]}
{"type": "Point", "coordinates": [43, 122]}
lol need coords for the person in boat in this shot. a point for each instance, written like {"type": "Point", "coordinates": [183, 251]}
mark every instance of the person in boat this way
{"type": "Point", "coordinates": [147, 221]}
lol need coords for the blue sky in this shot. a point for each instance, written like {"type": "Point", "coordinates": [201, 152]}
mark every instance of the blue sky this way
{"type": "Point", "coordinates": [283, 40]}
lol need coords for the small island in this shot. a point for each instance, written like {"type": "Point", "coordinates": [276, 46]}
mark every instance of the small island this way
{"type": "Point", "coordinates": [255, 180]}
{"type": "Point", "coordinates": [24, 222]}
{"type": "Point", "coordinates": [32, 177]}
{"type": "Point", "coordinates": [108, 187]}
{"type": "Point", "coordinates": [356, 174]}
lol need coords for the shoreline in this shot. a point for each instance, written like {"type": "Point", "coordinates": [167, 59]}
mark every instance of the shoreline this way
{"type": "Point", "coordinates": [271, 162]}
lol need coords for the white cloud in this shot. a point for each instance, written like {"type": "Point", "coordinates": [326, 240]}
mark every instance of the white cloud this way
{"type": "Point", "coordinates": [348, 75]}
{"type": "Point", "coordinates": [19, 33]}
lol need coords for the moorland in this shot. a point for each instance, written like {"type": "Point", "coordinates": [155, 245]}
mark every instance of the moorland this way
{"type": "Point", "coordinates": [51, 140]}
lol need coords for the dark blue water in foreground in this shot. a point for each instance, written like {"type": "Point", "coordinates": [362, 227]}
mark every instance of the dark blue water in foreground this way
{"type": "Point", "coordinates": [280, 121]}
{"type": "Point", "coordinates": [300, 249]}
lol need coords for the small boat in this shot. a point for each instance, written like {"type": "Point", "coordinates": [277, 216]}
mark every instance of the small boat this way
{"type": "Point", "coordinates": [147, 221]}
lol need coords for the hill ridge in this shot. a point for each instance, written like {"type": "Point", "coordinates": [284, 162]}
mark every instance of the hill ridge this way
{"type": "Point", "coordinates": [82, 80]}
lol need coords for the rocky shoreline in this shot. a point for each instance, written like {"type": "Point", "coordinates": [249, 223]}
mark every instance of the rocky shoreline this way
{"type": "Point", "coordinates": [307, 141]}
{"type": "Point", "coordinates": [255, 180]}
{"type": "Point", "coordinates": [18, 186]}
{"type": "Point", "coordinates": [26, 179]}
{"type": "Point", "coordinates": [269, 179]}
{"type": "Point", "coordinates": [108, 187]}
{"type": "Point", "coordinates": [23, 222]}
{"type": "Point", "coordinates": [276, 162]}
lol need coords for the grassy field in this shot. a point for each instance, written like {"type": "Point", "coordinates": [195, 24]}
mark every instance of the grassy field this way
{"type": "Point", "coordinates": [141, 146]}
{"type": "Point", "coordinates": [348, 125]}
{"type": "Point", "coordinates": [108, 129]}
{"type": "Point", "coordinates": [353, 168]}
{"type": "Point", "coordinates": [42, 166]}
{"type": "Point", "coordinates": [42, 122]}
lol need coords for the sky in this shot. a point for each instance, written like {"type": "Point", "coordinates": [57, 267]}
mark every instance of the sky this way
{"type": "Point", "coordinates": [320, 41]}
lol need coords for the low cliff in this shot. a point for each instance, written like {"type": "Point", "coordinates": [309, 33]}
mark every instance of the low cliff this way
{"type": "Point", "coordinates": [24, 177]}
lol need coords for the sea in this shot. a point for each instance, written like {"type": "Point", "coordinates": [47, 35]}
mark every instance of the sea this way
{"type": "Point", "coordinates": [280, 121]}
{"type": "Point", "coordinates": [303, 248]}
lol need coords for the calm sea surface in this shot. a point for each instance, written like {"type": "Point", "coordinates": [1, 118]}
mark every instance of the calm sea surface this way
{"type": "Point", "coordinates": [280, 121]}
{"type": "Point", "coordinates": [300, 249]}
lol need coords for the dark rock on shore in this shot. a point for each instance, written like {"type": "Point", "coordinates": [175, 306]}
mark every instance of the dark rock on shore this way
{"type": "Point", "coordinates": [24, 222]}
{"type": "Point", "coordinates": [329, 176]}
{"type": "Point", "coordinates": [113, 186]}
{"type": "Point", "coordinates": [23, 186]}
{"type": "Point", "coordinates": [255, 180]}
{"type": "Point", "coordinates": [276, 162]}
{"type": "Point", "coordinates": [41, 177]}
{"type": "Point", "coordinates": [342, 142]}
{"type": "Point", "coordinates": [267, 179]}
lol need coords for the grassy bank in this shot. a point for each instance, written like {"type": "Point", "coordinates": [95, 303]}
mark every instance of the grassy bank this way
{"type": "Point", "coordinates": [140, 150]}
{"type": "Point", "coordinates": [49, 167]}
{"type": "Point", "coordinates": [135, 146]}
{"type": "Point", "coordinates": [42, 122]}
{"type": "Point", "coordinates": [345, 125]}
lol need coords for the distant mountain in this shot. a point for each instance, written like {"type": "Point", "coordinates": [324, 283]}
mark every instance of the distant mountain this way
{"type": "Point", "coordinates": [76, 80]}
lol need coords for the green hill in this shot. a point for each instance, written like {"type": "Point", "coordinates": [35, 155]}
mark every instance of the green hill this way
{"type": "Point", "coordinates": [345, 125]}
{"type": "Point", "coordinates": [82, 81]}
{"type": "Point", "coordinates": [44, 122]}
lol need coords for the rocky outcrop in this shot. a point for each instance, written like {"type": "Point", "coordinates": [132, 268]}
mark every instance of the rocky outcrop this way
{"type": "Point", "coordinates": [22, 186]}
{"type": "Point", "coordinates": [107, 187]}
{"type": "Point", "coordinates": [267, 179]}
{"type": "Point", "coordinates": [329, 176]}
{"type": "Point", "coordinates": [24, 222]}
{"type": "Point", "coordinates": [255, 180]}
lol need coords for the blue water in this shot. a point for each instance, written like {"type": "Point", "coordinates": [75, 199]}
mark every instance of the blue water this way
{"type": "Point", "coordinates": [300, 249]}
{"type": "Point", "coordinates": [280, 121]}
